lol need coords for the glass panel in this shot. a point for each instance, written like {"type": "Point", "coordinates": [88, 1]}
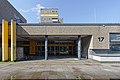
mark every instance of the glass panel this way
{"type": "Point", "coordinates": [64, 50]}
{"type": "Point", "coordinates": [114, 43]}
{"type": "Point", "coordinates": [115, 37]}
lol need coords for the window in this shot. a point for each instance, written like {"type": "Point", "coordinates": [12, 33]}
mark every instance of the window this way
{"type": "Point", "coordinates": [115, 42]}
{"type": "Point", "coordinates": [53, 11]}
{"type": "Point", "coordinates": [49, 18]}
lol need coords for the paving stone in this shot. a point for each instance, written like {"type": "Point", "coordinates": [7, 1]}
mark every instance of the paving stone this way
{"type": "Point", "coordinates": [59, 69]}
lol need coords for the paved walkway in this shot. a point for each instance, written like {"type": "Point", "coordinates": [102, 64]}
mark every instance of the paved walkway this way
{"type": "Point", "coordinates": [59, 69]}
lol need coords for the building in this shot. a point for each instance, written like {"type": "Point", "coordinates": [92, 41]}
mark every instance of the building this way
{"type": "Point", "coordinates": [99, 42]}
{"type": "Point", "coordinates": [50, 15]}
{"type": "Point", "coordinates": [8, 12]}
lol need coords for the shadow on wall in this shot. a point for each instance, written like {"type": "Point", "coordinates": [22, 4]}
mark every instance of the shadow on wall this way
{"type": "Point", "coordinates": [85, 46]}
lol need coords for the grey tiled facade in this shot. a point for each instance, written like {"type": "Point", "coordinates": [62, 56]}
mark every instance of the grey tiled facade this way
{"type": "Point", "coordinates": [8, 12]}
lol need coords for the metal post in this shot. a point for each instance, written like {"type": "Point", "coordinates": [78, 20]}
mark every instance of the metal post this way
{"type": "Point", "coordinates": [79, 47]}
{"type": "Point", "coordinates": [46, 47]}
{"type": "Point", "coordinates": [54, 51]}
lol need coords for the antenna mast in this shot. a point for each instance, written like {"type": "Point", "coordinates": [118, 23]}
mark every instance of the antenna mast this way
{"type": "Point", "coordinates": [95, 14]}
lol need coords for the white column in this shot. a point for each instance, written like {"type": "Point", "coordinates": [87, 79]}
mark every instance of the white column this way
{"type": "Point", "coordinates": [46, 47]}
{"type": "Point", "coordinates": [79, 47]}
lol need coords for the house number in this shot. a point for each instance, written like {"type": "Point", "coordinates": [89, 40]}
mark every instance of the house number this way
{"type": "Point", "coordinates": [101, 39]}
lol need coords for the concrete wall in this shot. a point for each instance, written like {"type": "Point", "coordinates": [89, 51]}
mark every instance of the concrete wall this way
{"type": "Point", "coordinates": [8, 12]}
{"type": "Point", "coordinates": [31, 30]}
{"type": "Point", "coordinates": [85, 46]}
{"type": "Point", "coordinates": [105, 58]}
{"type": "Point", "coordinates": [20, 53]}
{"type": "Point", "coordinates": [95, 31]}
{"type": "Point", "coordinates": [92, 52]}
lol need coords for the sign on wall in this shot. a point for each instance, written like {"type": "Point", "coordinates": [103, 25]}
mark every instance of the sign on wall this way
{"type": "Point", "coordinates": [101, 39]}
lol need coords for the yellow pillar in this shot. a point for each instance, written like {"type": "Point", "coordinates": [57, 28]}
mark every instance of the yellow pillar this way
{"type": "Point", "coordinates": [13, 40]}
{"type": "Point", "coordinates": [32, 47]}
{"type": "Point", "coordinates": [4, 40]}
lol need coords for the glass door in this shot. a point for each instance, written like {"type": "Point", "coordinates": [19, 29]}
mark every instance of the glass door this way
{"type": "Point", "coordinates": [64, 50]}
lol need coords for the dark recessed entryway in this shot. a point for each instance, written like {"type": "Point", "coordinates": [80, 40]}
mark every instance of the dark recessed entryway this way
{"type": "Point", "coordinates": [58, 47]}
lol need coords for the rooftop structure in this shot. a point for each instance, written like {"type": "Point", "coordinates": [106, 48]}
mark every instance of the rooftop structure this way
{"type": "Point", "coordinates": [50, 15]}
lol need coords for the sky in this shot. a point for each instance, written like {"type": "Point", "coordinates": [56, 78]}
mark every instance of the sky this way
{"type": "Point", "coordinates": [73, 11]}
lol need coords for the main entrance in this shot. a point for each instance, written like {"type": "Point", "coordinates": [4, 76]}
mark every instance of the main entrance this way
{"type": "Point", "coordinates": [58, 48]}
{"type": "Point", "coordinates": [55, 46]}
